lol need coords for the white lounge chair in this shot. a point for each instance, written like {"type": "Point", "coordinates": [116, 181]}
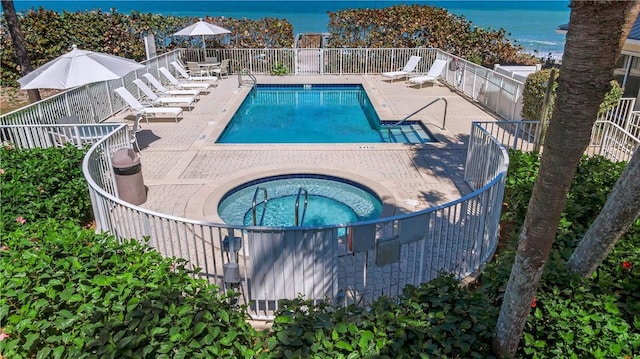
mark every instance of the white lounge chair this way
{"type": "Point", "coordinates": [189, 85]}
{"type": "Point", "coordinates": [147, 111]}
{"type": "Point", "coordinates": [157, 100]}
{"type": "Point", "coordinates": [408, 68]}
{"type": "Point", "coordinates": [434, 73]}
{"type": "Point", "coordinates": [210, 79]}
{"type": "Point", "coordinates": [165, 91]}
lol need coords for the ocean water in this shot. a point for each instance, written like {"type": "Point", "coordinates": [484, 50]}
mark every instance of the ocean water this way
{"type": "Point", "coordinates": [531, 23]}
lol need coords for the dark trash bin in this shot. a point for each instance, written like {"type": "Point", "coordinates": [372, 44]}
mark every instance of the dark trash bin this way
{"type": "Point", "coordinates": [128, 173]}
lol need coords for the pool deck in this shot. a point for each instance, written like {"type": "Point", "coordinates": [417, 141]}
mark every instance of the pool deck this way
{"type": "Point", "coordinates": [187, 173]}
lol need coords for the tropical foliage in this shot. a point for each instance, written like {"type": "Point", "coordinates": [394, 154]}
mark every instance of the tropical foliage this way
{"type": "Point", "coordinates": [410, 26]}
{"type": "Point", "coordinates": [68, 292]}
{"type": "Point", "coordinates": [41, 184]}
{"type": "Point", "coordinates": [71, 293]}
{"type": "Point", "coordinates": [49, 34]}
{"type": "Point", "coordinates": [535, 88]}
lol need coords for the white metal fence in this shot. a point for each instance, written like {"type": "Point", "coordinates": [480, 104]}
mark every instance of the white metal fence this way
{"type": "Point", "coordinates": [96, 102]}
{"type": "Point", "coordinates": [493, 90]}
{"type": "Point", "coordinates": [352, 265]}
{"type": "Point", "coordinates": [348, 265]}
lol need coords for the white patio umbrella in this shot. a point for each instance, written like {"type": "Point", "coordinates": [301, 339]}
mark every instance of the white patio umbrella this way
{"type": "Point", "coordinates": [202, 28]}
{"type": "Point", "coordinates": [76, 68]}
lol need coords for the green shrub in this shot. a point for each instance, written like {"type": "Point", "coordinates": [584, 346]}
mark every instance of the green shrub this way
{"type": "Point", "coordinates": [573, 317]}
{"type": "Point", "coordinates": [41, 183]}
{"type": "Point", "coordinates": [533, 93]}
{"type": "Point", "coordinates": [71, 293]}
{"type": "Point", "coordinates": [279, 70]}
{"type": "Point", "coordinates": [535, 88]}
{"type": "Point", "coordinates": [49, 34]}
{"type": "Point", "coordinates": [414, 26]}
{"type": "Point", "coordinates": [438, 319]}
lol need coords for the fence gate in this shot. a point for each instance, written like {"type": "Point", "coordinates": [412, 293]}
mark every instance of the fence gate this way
{"type": "Point", "coordinates": [309, 54]}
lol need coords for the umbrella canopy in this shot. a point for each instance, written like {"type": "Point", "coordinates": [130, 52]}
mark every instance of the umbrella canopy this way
{"type": "Point", "coordinates": [202, 28]}
{"type": "Point", "coordinates": [76, 68]}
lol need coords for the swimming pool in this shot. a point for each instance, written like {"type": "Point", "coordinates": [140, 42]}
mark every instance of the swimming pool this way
{"type": "Point", "coordinates": [299, 200]}
{"type": "Point", "coordinates": [314, 114]}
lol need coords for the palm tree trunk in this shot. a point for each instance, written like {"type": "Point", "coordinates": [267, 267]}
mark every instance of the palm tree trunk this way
{"type": "Point", "coordinates": [18, 44]}
{"type": "Point", "coordinates": [618, 214]}
{"type": "Point", "coordinates": [597, 30]}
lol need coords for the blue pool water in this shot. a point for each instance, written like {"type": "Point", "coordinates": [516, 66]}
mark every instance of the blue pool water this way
{"type": "Point", "coordinates": [310, 114]}
{"type": "Point", "coordinates": [330, 201]}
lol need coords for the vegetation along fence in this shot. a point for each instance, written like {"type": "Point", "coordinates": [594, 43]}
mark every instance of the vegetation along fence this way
{"type": "Point", "coordinates": [348, 264]}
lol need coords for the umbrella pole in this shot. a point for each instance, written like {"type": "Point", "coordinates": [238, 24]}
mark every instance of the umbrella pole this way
{"type": "Point", "coordinates": [204, 49]}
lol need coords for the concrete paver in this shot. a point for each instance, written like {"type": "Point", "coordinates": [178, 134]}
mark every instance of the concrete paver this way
{"type": "Point", "coordinates": [186, 172]}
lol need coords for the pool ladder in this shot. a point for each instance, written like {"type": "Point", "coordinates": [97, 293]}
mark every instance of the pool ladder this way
{"type": "Point", "coordinates": [247, 72]}
{"type": "Point", "coordinates": [297, 219]}
{"type": "Point", "coordinates": [254, 204]}
{"type": "Point", "coordinates": [297, 207]}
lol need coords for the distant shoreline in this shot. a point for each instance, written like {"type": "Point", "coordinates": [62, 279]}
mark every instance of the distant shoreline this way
{"type": "Point", "coordinates": [531, 24]}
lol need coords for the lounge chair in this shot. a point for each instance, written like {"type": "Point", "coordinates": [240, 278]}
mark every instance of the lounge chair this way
{"type": "Point", "coordinates": [167, 92]}
{"type": "Point", "coordinates": [211, 79]}
{"type": "Point", "coordinates": [147, 111]}
{"type": "Point", "coordinates": [157, 100]}
{"type": "Point", "coordinates": [189, 85]}
{"type": "Point", "coordinates": [434, 73]}
{"type": "Point", "coordinates": [408, 68]}
{"type": "Point", "coordinates": [223, 69]}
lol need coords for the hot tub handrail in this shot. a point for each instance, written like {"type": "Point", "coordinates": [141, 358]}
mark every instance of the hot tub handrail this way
{"type": "Point", "coordinates": [253, 203]}
{"type": "Point", "coordinates": [304, 209]}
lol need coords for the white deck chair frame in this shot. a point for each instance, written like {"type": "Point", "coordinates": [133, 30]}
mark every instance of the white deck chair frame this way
{"type": "Point", "coordinates": [165, 91]}
{"type": "Point", "coordinates": [435, 71]}
{"type": "Point", "coordinates": [183, 101]}
{"type": "Point", "coordinates": [146, 111]}
{"type": "Point", "coordinates": [210, 79]}
{"type": "Point", "coordinates": [174, 81]}
{"type": "Point", "coordinates": [408, 69]}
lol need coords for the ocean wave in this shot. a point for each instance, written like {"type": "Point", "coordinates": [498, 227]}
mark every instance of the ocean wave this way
{"type": "Point", "coordinates": [556, 55]}
{"type": "Point", "coordinates": [541, 42]}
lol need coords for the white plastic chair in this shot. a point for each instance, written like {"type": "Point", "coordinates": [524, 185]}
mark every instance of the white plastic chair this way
{"type": "Point", "coordinates": [146, 111]}
{"type": "Point", "coordinates": [174, 81]}
{"type": "Point", "coordinates": [223, 69]}
{"type": "Point", "coordinates": [434, 73]}
{"type": "Point", "coordinates": [408, 68]}
{"type": "Point", "coordinates": [155, 99]}
{"type": "Point", "coordinates": [211, 79]}
{"type": "Point", "coordinates": [165, 91]}
{"type": "Point", "coordinates": [135, 128]}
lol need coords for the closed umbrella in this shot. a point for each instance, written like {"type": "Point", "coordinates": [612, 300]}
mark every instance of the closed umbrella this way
{"type": "Point", "coordinates": [202, 28]}
{"type": "Point", "coordinates": [76, 68]}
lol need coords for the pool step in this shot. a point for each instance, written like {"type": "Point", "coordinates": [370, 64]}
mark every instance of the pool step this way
{"type": "Point", "coordinates": [405, 133]}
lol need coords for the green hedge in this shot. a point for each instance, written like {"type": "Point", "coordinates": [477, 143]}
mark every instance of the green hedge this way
{"type": "Point", "coordinates": [49, 34]}
{"type": "Point", "coordinates": [535, 88]}
{"type": "Point", "coordinates": [411, 26]}
{"type": "Point", "coordinates": [68, 292]}
{"type": "Point", "coordinates": [41, 183]}
{"type": "Point", "coordinates": [71, 293]}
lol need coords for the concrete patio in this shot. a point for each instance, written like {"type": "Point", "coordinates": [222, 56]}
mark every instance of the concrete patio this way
{"type": "Point", "coordinates": [187, 173]}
